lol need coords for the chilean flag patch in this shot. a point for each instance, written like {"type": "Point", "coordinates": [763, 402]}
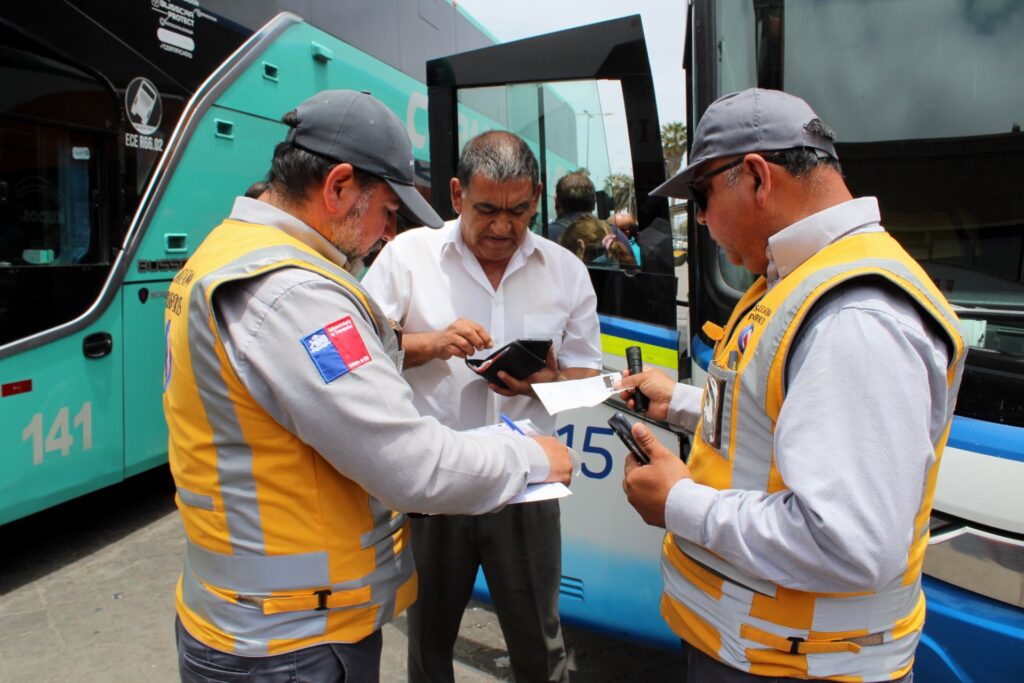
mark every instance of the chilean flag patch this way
{"type": "Point", "coordinates": [745, 337]}
{"type": "Point", "coordinates": [336, 349]}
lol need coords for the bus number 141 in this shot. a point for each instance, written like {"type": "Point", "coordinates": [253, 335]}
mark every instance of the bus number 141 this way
{"type": "Point", "coordinates": [58, 437]}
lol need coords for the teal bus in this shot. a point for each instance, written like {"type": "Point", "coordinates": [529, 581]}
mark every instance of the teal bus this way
{"type": "Point", "coordinates": [125, 131]}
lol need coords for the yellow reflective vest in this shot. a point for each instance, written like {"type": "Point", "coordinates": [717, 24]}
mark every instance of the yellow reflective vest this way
{"type": "Point", "coordinates": [744, 621]}
{"type": "Point", "coordinates": [283, 551]}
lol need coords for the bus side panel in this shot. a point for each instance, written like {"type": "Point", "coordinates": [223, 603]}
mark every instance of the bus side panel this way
{"type": "Point", "coordinates": [611, 569]}
{"type": "Point", "coordinates": [968, 637]}
{"type": "Point", "coordinates": [145, 432]}
{"type": "Point", "coordinates": [288, 73]}
{"type": "Point", "coordinates": [61, 437]}
{"type": "Point", "coordinates": [212, 171]}
{"type": "Point", "coordinates": [611, 559]}
{"type": "Point", "coordinates": [231, 147]}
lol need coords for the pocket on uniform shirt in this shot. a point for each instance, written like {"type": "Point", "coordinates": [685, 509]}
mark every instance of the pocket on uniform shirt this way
{"type": "Point", "coordinates": [544, 326]}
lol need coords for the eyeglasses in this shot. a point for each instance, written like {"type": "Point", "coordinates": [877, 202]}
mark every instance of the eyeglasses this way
{"type": "Point", "coordinates": [699, 196]}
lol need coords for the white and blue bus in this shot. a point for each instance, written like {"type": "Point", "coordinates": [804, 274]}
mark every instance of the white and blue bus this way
{"type": "Point", "coordinates": [927, 99]}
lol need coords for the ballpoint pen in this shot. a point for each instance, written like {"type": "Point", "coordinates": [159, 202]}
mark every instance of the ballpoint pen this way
{"type": "Point", "coordinates": [511, 425]}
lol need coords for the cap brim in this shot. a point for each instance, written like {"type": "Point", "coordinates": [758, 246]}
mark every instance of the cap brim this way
{"type": "Point", "coordinates": [678, 185]}
{"type": "Point", "coordinates": [414, 206]}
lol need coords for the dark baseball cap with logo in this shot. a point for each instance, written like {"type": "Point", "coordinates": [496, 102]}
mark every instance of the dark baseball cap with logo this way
{"type": "Point", "coordinates": [752, 120]}
{"type": "Point", "coordinates": [357, 128]}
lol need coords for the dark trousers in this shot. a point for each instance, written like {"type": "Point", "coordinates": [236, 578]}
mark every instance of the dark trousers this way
{"type": "Point", "coordinates": [520, 550]}
{"type": "Point", "coordinates": [703, 669]}
{"type": "Point", "coordinates": [328, 663]}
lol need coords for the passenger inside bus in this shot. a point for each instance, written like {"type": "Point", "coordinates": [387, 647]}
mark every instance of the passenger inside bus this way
{"type": "Point", "coordinates": [594, 243]}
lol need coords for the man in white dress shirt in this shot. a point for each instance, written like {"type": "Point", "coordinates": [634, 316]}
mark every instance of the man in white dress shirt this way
{"type": "Point", "coordinates": [480, 282]}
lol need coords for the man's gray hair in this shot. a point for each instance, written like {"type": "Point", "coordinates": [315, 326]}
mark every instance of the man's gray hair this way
{"type": "Point", "coordinates": [499, 156]}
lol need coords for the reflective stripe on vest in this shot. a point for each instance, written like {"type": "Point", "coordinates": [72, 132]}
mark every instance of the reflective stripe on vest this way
{"type": "Point", "coordinates": [272, 565]}
{"type": "Point", "coordinates": [752, 624]}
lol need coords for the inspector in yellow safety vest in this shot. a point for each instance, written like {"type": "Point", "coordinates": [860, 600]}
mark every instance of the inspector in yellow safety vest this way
{"type": "Point", "coordinates": [292, 440]}
{"type": "Point", "coordinates": [759, 625]}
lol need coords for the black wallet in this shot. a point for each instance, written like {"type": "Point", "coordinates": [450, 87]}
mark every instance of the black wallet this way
{"type": "Point", "coordinates": [520, 358]}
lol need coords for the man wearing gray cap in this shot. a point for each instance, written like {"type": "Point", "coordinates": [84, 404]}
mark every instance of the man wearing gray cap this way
{"type": "Point", "coordinates": [797, 528]}
{"type": "Point", "coordinates": [294, 442]}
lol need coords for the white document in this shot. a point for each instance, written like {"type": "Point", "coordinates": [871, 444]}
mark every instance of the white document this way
{"type": "Point", "coordinates": [577, 393]}
{"type": "Point", "coordinates": [536, 492]}
{"type": "Point", "coordinates": [533, 492]}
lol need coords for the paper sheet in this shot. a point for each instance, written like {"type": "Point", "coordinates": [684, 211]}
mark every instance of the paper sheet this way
{"type": "Point", "coordinates": [577, 393]}
{"type": "Point", "coordinates": [533, 492]}
{"type": "Point", "coordinates": [536, 492]}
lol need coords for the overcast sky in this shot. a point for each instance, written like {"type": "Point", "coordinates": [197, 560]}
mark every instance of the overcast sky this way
{"type": "Point", "coordinates": [664, 24]}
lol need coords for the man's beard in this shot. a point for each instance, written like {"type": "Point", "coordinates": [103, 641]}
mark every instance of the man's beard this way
{"type": "Point", "coordinates": [347, 234]}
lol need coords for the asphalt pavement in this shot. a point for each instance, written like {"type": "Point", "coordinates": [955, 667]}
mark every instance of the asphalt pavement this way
{"type": "Point", "coordinates": [87, 594]}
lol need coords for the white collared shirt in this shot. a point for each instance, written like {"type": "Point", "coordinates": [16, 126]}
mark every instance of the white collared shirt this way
{"type": "Point", "coordinates": [426, 279]}
{"type": "Point", "coordinates": [796, 243]}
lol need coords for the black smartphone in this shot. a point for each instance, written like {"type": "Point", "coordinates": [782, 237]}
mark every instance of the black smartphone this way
{"type": "Point", "coordinates": [621, 426]}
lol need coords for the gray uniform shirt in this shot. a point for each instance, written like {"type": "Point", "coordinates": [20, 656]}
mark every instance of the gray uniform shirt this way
{"type": "Point", "coordinates": [362, 422]}
{"type": "Point", "coordinates": [866, 395]}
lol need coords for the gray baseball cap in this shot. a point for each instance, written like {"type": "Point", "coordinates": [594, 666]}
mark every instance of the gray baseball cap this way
{"type": "Point", "coordinates": [357, 128]}
{"type": "Point", "coordinates": [752, 120]}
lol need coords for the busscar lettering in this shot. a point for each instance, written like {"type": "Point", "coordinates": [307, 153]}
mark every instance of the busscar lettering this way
{"type": "Point", "coordinates": [161, 265]}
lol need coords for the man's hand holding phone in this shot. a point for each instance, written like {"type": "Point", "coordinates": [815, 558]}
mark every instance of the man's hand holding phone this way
{"type": "Point", "coordinates": [647, 485]}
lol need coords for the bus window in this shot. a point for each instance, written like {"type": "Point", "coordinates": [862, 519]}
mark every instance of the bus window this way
{"type": "Point", "coordinates": [938, 156]}
{"type": "Point", "coordinates": [736, 68]}
{"type": "Point", "coordinates": [56, 136]}
{"type": "Point", "coordinates": [943, 160]}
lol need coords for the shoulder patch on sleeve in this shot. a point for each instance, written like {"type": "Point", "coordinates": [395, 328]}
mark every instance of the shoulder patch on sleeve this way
{"type": "Point", "coordinates": [336, 349]}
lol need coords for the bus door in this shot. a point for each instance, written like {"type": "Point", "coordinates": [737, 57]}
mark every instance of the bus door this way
{"type": "Point", "coordinates": [583, 100]}
{"type": "Point", "coordinates": [60, 391]}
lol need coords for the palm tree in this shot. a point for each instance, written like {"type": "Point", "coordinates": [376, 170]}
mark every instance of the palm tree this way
{"type": "Point", "coordinates": [619, 187]}
{"type": "Point", "coordinates": [673, 145]}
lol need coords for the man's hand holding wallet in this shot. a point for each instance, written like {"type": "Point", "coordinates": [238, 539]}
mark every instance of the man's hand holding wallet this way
{"type": "Point", "coordinates": [512, 369]}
